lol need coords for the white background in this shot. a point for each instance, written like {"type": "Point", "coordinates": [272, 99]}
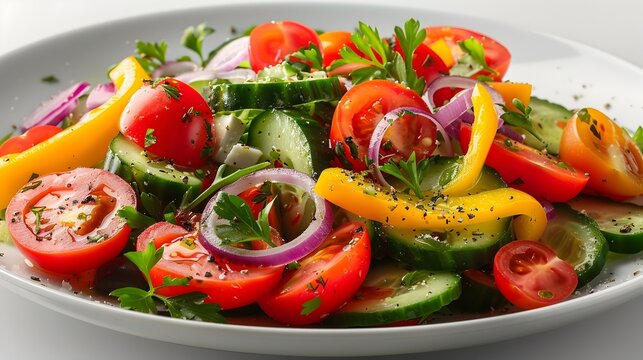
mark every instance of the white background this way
{"type": "Point", "coordinates": [28, 331]}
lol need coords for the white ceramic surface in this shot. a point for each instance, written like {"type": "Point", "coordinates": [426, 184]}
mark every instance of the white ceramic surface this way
{"type": "Point", "coordinates": [562, 71]}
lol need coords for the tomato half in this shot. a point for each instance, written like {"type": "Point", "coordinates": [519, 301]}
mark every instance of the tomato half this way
{"type": "Point", "coordinates": [228, 284]}
{"type": "Point", "coordinates": [271, 42]}
{"type": "Point", "coordinates": [527, 169]}
{"type": "Point", "coordinates": [496, 55]}
{"type": "Point", "coordinates": [67, 222]}
{"type": "Point", "coordinates": [530, 275]}
{"type": "Point", "coordinates": [31, 137]}
{"type": "Point", "coordinates": [361, 109]}
{"type": "Point", "coordinates": [332, 42]}
{"type": "Point", "coordinates": [593, 143]}
{"type": "Point", "coordinates": [171, 120]}
{"type": "Point", "coordinates": [325, 280]}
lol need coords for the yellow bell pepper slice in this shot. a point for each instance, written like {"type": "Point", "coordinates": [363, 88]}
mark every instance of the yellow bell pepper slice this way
{"type": "Point", "coordinates": [83, 144]}
{"type": "Point", "coordinates": [484, 129]}
{"type": "Point", "coordinates": [357, 194]}
{"type": "Point", "coordinates": [510, 91]}
{"type": "Point", "coordinates": [443, 50]}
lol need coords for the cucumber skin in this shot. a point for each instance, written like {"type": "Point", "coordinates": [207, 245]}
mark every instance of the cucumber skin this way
{"type": "Point", "coordinates": [544, 115]}
{"type": "Point", "coordinates": [167, 191]}
{"type": "Point", "coordinates": [478, 298]}
{"type": "Point", "coordinates": [273, 95]}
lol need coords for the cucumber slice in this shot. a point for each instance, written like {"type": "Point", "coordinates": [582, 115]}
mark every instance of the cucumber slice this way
{"type": "Point", "coordinates": [291, 138]}
{"type": "Point", "coordinates": [273, 95]}
{"type": "Point", "coordinates": [149, 173]}
{"type": "Point", "coordinates": [451, 250]}
{"type": "Point", "coordinates": [620, 223]}
{"type": "Point", "coordinates": [391, 293]}
{"type": "Point", "coordinates": [576, 238]}
{"type": "Point", "coordinates": [479, 292]}
{"type": "Point", "coordinates": [547, 118]}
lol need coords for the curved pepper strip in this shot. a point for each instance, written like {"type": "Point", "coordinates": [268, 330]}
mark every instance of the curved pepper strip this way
{"type": "Point", "coordinates": [357, 194]}
{"type": "Point", "coordinates": [83, 144]}
{"type": "Point", "coordinates": [483, 132]}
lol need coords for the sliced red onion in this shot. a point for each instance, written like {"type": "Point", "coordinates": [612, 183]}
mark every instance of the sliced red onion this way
{"type": "Point", "coordinates": [54, 110]}
{"type": "Point", "coordinates": [235, 76]}
{"type": "Point", "coordinates": [456, 108]}
{"type": "Point", "coordinates": [549, 208]}
{"type": "Point", "coordinates": [100, 94]}
{"type": "Point", "coordinates": [230, 56]}
{"type": "Point", "coordinates": [458, 82]}
{"type": "Point", "coordinates": [386, 122]}
{"type": "Point", "coordinates": [174, 68]}
{"type": "Point", "coordinates": [511, 133]}
{"type": "Point", "coordinates": [294, 250]}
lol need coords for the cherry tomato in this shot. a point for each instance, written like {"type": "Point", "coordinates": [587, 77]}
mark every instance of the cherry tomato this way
{"type": "Point", "coordinates": [67, 222]}
{"type": "Point", "coordinates": [271, 42]}
{"type": "Point", "coordinates": [171, 120]}
{"type": "Point", "coordinates": [530, 275]}
{"type": "Point", "coordinates": [332, 42]}
{"type": "Point", "coordinates": [496, 55]}
{"type": "Point", "coordinates": [325, 280]}
{"type": "Point", "coordinates": [228, 284]}
{"type": "Point", "coordinates": [593, 143]}
{"type": "Point", "coordinates": [31, 137]}
{"type": "Point", "coordinates": [362, 108]}
{"type": "Point", "coordinates": [540, 175]}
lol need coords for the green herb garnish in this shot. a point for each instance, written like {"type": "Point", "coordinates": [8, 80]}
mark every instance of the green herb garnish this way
{"type": "Point", "coordinates": [242, 226]}
{"type": "Point", "coordinates": [50, 79]}
{"type": "Point", "coordinates": [193, 38]}
{"type": "Point", "coordinates": [410, 172]}
{"type": "Point", "coordinates": [31, 186]}
{"type": "Point", "coordinates": [37, 211]}
{"type": "Point", "coordinates": [150, 139]}
{"type": "Point", "coordinates": [520, 119]}
{"type": "Point", "coordinates": [151, 54]}
{"type": "Point", "coordinates": [135, 219]}
{"type": "Point", "coordinates": [638, 138]}
{"type": "Point", "coordinates": [473, 59]}
{"type": "Point", "coordinates": [6, 137]}
{"type": "Point", "coordinates": [311, 305]}
{"type": "Point", "coordinates": [311, 54]}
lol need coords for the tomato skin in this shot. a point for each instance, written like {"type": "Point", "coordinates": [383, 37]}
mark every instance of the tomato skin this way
{"type": "Point", "coordinates": [271, 42]}
{"type": "Point", "coordinates": [333, 274]}
{"type": "Point", "coordinates": [63, 242]}
{"type": "Point", "coordinates": [426, 62]}
{"type": "Point", "coordinates": [496, 55]}
{"type": "Point", "coordinates": [530, 275]}
{"type": "Point", "coordinates": [180, 126]}
{"type": "Point", "coordinates": [360, 110]}
{"type": "Point", "coordinates": [607, 153]}
{"type": "Point", "coordinates": [332, 42]}
{"type": "Point", "coordinates": [529, 170]}
{"type": "Point", "coordinates": [31, 137]}
{"type": "Point", "coordinates": [228, 284]}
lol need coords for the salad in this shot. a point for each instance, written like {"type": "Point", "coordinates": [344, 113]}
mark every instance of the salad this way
{"type": "Point", "coordinates": [341, 179]}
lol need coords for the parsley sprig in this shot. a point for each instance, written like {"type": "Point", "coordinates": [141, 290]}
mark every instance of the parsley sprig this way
{"type": "Point", "coordinates": [638, 138]}
{"type": "Point", "coordinates": [151, 54]}
{"type": "Point", "coordinates": [193, 38]}
{"type": "Point", "coordinates": [188, 306]}
{"type": "Point", "coordinates": [473, 60]}
{"type": "Point", "coordinates": [311, 54]}
{"type": "Point", "coordinates": [410, 172]}
{"type": "Point", "coordinates": [520, 118]}
{"type": "Point", "coordinates": [242, 226]}
{"type": "Point", "coordinates": [380, 61]}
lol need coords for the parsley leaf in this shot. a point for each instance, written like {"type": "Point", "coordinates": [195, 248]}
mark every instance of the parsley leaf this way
{"type": "Point", "coordinates": [37, 211]}
{"type": "Point", "coordinates": [135, 219]}
{"type": "Point", "coordinates": [473, 59]}
{"type": "Point", "coordinates": [414, 277]}
{"type": "Point", "coordinates": [151, 54]}
{"type": "Point", "coordinates": [150, 139]}
{"type": "Point", "coordinates": [409, 38]}
{"type": "Point", "coordinates": [311, 305]}
{"type": "Point", "coordinates": [311, 54]}
{"type": "Point", "coordinates": [242, 225]}
{"type": "Point", "coordinates": [6, 137]}
{"type": "Point", "coordinates": [410, 172]}
{"type": "Point", "coordinates": [188, 306]}
{"type": "Point", "coordinates": [638, 138]}
{"type": "Point", "coordinates": [193, 39]}
{"type": "Point", "coordinates": [520, 118]}
{"type": "Point", "coordinates": [50, 79]}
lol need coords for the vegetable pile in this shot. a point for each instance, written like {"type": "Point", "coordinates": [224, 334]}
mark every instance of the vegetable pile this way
{"type": "Point", "coordinates": [345, 179]}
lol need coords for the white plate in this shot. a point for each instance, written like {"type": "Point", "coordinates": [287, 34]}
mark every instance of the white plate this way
{"type": "Point", "coordinates": [562, 71]}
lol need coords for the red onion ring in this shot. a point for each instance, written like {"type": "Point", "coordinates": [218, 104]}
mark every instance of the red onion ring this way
{"type": "Point", "coordinates": [386, 122]}
{"type": "Point", "coordinates": [294, 250]}
{"type": "Point", "coordinates": [100, 94]}
{"type": "Point", "coordinates": [549, 208]}
{"type": "Point", "coordinates": [230, 56]}
{"type": "Point", "coordinates": [54, 110]}
{"type": "Point", "coordinates": [236, 75]}
{"type": "Point", "coordinates": [174, 68]}
{"type": "Point", "coordinates": [457, 82]}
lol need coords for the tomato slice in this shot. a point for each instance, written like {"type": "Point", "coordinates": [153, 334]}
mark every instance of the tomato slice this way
{"type": "Point", "coordinates": [67, 222]}
{"type": "Point", "coordinates": [325, 280]}
{"type": "Point", "coordinates": [271, 42]}
{"type": "Point", "coordinates": [360, 110]}
{"type": "Point", "coordinates": [171, 120]}
{"type": "Point", "coordinates": [332, 42]}
{"type": "Point", "coordinates": [592, 142]}
{"type": "Point", "coordinates": [228, 284]}
{"type": "Point", "coordinates": [496, 55]}
{"type": "Point", "coordinates": [530, 275]}
{"type": "Point", "coordinates": [540, 175]}
{"type": "Point", "coordinates": [31, 137]}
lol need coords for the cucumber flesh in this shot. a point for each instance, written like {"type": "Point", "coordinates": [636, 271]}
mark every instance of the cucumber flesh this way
{"type": "Point", "coordinates": [292, 139]}
{"type": "Point", "coordinates": [620, 223]}
{"type": "Point", "coordinates": [479, 292]}
{"type": "Point", "coordinates": [392, 293]}
{"type": "Point", "coordinates": [548, 120]}
{"type": "Point", "coordinates": [576, 238]}
{"type": "Point", "coordinates": [148, 173]}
